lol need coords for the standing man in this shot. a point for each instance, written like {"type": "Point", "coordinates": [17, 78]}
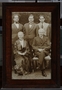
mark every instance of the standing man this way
{"type": "Point", "coordinates": [30, 30]}
{"type": "Point", "coordinates": [16, 27]}
{"type": "Point", "coordinates": [45, 26]}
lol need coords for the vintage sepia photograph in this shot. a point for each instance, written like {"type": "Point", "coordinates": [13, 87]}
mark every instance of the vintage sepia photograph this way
{"type": "Point", "coordinates": [31, 45]}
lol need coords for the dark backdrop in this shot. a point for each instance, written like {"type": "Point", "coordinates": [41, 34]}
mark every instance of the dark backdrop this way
{"type": "Point", "coordinates": [24, 16]}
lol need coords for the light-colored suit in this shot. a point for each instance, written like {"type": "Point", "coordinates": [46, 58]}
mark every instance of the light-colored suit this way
{"type": "Point", "coordinates": [47, 29]}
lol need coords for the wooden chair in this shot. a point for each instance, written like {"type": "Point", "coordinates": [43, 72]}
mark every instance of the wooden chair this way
{"type": "Point", "coordinates": [48, 61]}
{"type": "Point", "coordinates": [35, 61]}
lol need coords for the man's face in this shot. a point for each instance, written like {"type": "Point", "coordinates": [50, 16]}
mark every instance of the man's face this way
{"type": "Point", "coordinates": [16, 18]}
{"type": "Point", "coordinates": [41, 19]}
{"type": "Point", "coordinates": [41, 33]}
{"type": "Point", "coordinates": [31, 19]}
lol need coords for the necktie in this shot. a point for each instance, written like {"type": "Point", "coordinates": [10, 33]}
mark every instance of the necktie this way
{"type": "Point", "coordinates": [42, 25]}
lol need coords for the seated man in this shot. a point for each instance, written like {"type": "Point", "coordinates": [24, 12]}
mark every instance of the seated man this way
{"type": "Point", "coordinates": [21, 51]}
{"type": "Point", "coordinates": [41, 46]}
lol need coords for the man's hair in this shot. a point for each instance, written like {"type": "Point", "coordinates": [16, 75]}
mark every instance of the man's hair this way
{"type": "Point", "coordinates": [41, 17]}
{"type": "Point", "coordinates": [31, 15]}
{"type": "Point", "coordinates": [15, 14]}
{"type": "Point", "coordinates": [20, 33]}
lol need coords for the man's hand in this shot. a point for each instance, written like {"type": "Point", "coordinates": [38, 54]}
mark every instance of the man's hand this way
{"type": "Point", "coordinates": [40, 50]}
{"type": "Point", "coordinates": [21, 53]}
{"type": "Point", "coordinates": [24, 53]}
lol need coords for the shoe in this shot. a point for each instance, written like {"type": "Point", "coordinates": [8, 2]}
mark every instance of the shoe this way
{"type": "Point", "coordinates": [15, 71]}
{"type": "Point", "coordinates": [26, 73]}
{"type": "Point", "coordinates": [44, 74]}
{"type": "Point", "coordinates": [20, 73]}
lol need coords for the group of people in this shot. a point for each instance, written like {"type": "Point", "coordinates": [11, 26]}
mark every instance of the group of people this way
{"type": "Point", "coordinates": [28, 39]}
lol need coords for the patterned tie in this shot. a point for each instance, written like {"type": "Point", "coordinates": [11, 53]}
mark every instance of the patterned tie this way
{"type": "Point", "coordinates": [42, 25]}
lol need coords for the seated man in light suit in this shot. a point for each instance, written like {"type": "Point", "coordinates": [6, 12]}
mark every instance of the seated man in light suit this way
{"type": "Point", "coordinates": [41, 46]}
{"type": "Point", "coordinates": [21, 51]}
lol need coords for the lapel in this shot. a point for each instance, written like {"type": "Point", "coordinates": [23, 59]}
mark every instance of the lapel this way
{"type": "Point", "coordinates": [45, 25]}
{"type": "Point", "coordinates": [19, 45]}
{"type": "Point", "coordinates": [16, 26]}
{"type": "Point", "coordinates": [40, 25]}
{"type": "Point", "coordinates": [24, 43]}
{"type": "Point", "coordinates": [42, 41]}
{"type": "Point", "coordinates": [32, 28]}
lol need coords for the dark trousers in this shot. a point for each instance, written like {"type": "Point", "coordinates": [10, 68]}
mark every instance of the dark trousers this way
{"type": "Point", "coordinates": [41, 56]}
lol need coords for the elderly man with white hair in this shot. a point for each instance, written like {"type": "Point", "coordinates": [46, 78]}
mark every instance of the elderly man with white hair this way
{"type": "Point", "coordinates": [41, 46]}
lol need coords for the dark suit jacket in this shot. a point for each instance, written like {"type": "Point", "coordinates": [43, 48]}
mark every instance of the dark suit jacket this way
{"type": "Point", "coordinates": [15, 31]}
{"type": "Point", "coordinates": [30, 33]}
{"type": "Point", "coordinates": [39, 43]}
